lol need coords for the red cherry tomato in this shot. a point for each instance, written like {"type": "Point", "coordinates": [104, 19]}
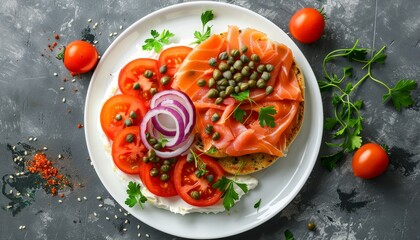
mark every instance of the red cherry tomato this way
{"type": "Point", "coordinates": [154, 183]}
{"type": "Point", "coordinates": [80, 57]}
{"type": "Point", "coordinates": [307, 25]}
{"type": "Point", "coordinates": [121, 106]}
{"type": "Point", "coordinates": [134, 79]}
{"type": "Point", "coordinates": [172, 58]}
{"type": "Point", "coordinates": [370, 161]}
{"type": "Point", "coordinates": [128, 150]}
{"type": "Point", "coordinates": [186, 182]}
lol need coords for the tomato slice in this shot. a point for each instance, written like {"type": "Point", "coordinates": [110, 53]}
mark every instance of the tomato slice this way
{"type": "Point", "coordinates": [186, 181]}
{"type": "Point", "coordinates": [154, 184]}
{"type": "Point", "coordinates": [133, 79]}
{"type": "Point", "coordinates": [172, 58]}
{"type": "Point", "coordinates": [121, 106]}
{"type": "Point", "coordinates": [128, 152]}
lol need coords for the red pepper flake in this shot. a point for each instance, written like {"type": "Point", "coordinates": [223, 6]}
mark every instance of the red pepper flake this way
{"type": "Point", "coordinates": [56, 36]}
{"type": "Point", "coordinates": [44, 167]}
{"type": "Point", "coordinates": [79, 125]}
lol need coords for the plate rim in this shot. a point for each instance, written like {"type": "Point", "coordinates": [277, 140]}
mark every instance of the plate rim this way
{"type": "Point", "coordinates": [308, 74]}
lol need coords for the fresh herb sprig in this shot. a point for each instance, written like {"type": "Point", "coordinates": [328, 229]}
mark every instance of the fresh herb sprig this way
{"type": "Point", "coordinates": [288, 235]}
{"type": "Point", "coordinates": [199, 164]}
{"type": "Point", "coordinates": [134, 195]}
{"type": "Point", "coordinates": [158, 40]}
{"type": "Point", "coordinates": [229, 195]}
{"type": "Point", "coordinates": [206, 17]}
{"type": "Point", "coordinates": [265, 114]}
{"type": "Point", "coordinates": [346, 122]}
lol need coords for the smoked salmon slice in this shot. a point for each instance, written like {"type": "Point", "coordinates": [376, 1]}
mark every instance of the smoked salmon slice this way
{"type": "Point", "coordinates": [239, 138]}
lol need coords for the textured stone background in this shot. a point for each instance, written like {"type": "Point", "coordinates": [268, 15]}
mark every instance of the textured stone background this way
{"type": "Point", "coordinates": [342, 206]}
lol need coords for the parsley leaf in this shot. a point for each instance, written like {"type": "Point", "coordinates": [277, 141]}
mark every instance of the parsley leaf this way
{"type": "Point", "coordinates": [400, 94]}
{"type": "Point", "coordinates": [226, 186]}
{"type": "Point", "coordinates": [288, 235]}
{"type": "Point", "coordinates": [241, 96]}
{"type": "Point", "coordinates": [265, 116]}
{"type": "Point", "coordinates": [257, 205]}
{"type": "Point", "coordinates": [213, 149]}
{"type": "Point", "coordinates": [239, 115]}
{"type": "Point", "coordinates": [206, 17]}
{"type": "Point", "coordinates": [156, 43]}
{"type": "Point", "coordinates": [134, 195]}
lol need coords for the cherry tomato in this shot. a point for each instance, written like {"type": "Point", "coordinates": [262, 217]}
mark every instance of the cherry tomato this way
{"type": "Point", "coordinates": [370, 161]}
{"type": "Point", "coordinates": [172, 58]}
{"type": "Point", "coordinates": [307, 25]}
{"type": "Point", "coordinates": [198, 191]}
{"type": "Point", "coordinates": [80, 57]}
{"type": "Point", "coordinates": [157, 186]}
{"type": "Point", "coordinates": [128, 150]}
{"type": "Point", "coordinates": [120, 111]}
{"type": "Point", "coordinates": [139, 77]}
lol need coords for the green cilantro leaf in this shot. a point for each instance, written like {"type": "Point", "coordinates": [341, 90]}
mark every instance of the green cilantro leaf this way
{"type": "Point", "coordinates": [265, 116]}
{"type": "Point", "coordinates": [134, 195]}
{"type": "Point", "coordinates": [239, 115]}
{"type": "Point", "coordinates": [226, 186]}
{"type": "Point", "coordinates": [400, 94]}
{"type": "Point", "coordinates": [241, 96]}
{"type": "Point", "coordinates": [206, 17]}
{"type": "Point", "coordinates": [257, 205]}
{"type": "Point", "coordinates": [213, 149]}
{"type": "Point", "coordinates": [288, 235]}
{"type": "Point", "coordinates": [156, 43]}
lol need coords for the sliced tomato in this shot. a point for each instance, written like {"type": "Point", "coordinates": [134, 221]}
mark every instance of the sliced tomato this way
{"type": "Point", "coordinates": [154, 184]}
{"type": "Point", "coordinates": [186, 181]}
{"type": "Point", "coordinates": [172, 58]}
{"type": "Point", "coordinates": [132, 79]}
{"type": "Point", "coordinates": [128, 150]}
{"type": "Point", "coordinates": [121, 106]}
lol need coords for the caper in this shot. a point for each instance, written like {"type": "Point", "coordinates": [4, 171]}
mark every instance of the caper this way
{"type": "Point", "coordinates": [165, 80]}
{"type": "Point", "coordinates": [128, 122]}
{"type": "Point", "coordinates": [227, 75]}
{"type": "Point", "coordinates": [148, 74]}
{"type": "Point", "coordinates": [215, 136]}
{"type": "Point", "coordinates": [253, 76]}
{"type": "Point", "coordinates": [154, 172]}
{"type": "Point", "coordinates": [172, 160]}
{"type": "Point", "coordinates": [147, 135]}
{"type": "Point", "coordinates": [251, 64]}
{"type": "Point", "coordinates": [311, 226]}
{"type": "Point", "coordinates": [222, 94]}
{"type": "Point", "coordinates": [232, 83]}
{"type": "Point", "coordinates": [244, 58]}
{"type": "Point", "coordinates": [238, 77]}
{"type": "Point", "coordinates": [157, 146]}
{"type": "Point", "coordinates": [230, 61]}
{"type": "Point", "coordinates": [164, 177]}
{"type": "Point", "coordinates": [190, 157]}
{"type": "Point", "coordinates": [133, 115]}
{"type": "Point", "coordinates": [212, 93]}
{"type": "Point", "coordinates": [213, 62]}
{"type": "Point", "coordinates": [151, 153]}
{"type": "Point", "coordinates": [244, 86]}
{"type": "Point", "coordinates": [223, 67]}
{"type": "Point", "coordinates": [266, 76]}
{"type": "Point", "coordinates": [198, 173]}
{"type": "Point", "coordinates": [219, 100]}
{"type": "Point", "coordinates": [238, 65]}
{"type": "Point", "coordinates": [155, 159]}
{"type": "Point", "coordinates": [261, 83]}
{"type": "Point", "coordinates": [234, 53]}
{"type": "Point", "coordinates": [236, 89]}
{"type": "Point", "coordinates": [152, 141]}
{"type": "Point", "coordinates": [255, 57]}
{"type": "Point", "coordinates": [129, 138]}
{"type": "Point", "coordinates": [211, 82]}
{"type": "Point", "coordinates": [244, 48]}
{"type": "Point", "coordinates": [195, 195]}
{"type": "Point", "coordinates": [229, 90]}
{"type": "Point", "coordinates": [223, 56]}
{"type": "Point", "coordinates": [246, 71]}
{"type": "Point", "coordinates": [136, 86]}
{"type": "Point", "coordinates": [167, 162]}
{"type": "Point", "coordinates": [165, 168]}
{"type": "Point", "coordinates": [163, 69]}
{"type": "Point", "coordinates": [217, 74]}
{"type": "Point", "coordinates": [153, 91]}
{"type": "Point", "coordinates": [261, 68]}
{"type": "Point", "coordinates": [215, 117]}
{"type": "Point", "coordinates": [269, 90]}
{"type": "Point", "coordinates": [210, 178]}
{"type": "Point", "coordinates": [201, 82]}
{"type": "Point", "coordinates": [221, 88]}
{"type": "Point", "coordinates": [208, 129]}
{"type": "Point", "coordinates": [223, 82]}
{"type": "Point", "coordinates": [269, 67]}
{"type": "Point", "coordinates": [118, 117]}
{"type": "Point", "coordinates": [252, 83]}
{"type": "Point", "coordinates": [146, 159]}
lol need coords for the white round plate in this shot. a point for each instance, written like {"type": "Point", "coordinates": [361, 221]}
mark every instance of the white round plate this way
{"type": "Point", "coordinates": [278, 184]}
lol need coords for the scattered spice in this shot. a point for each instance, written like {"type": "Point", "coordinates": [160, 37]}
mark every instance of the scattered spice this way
{"type": "Point", "coordinates": [44, 167]}
{"type": "Point", "coordinates": [56, 36]}
{"type": "Point", "coordinates": [79, 125]}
